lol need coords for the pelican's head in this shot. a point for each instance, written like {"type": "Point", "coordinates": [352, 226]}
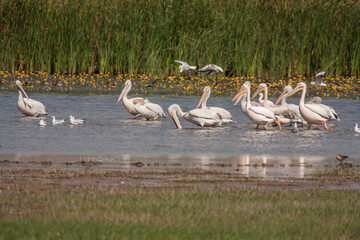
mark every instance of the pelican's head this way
{"type": "Point", "coordinates": [262, 87]}
{"type": "Point", "coordinates": [244, 89]}
{"type": "Point", "coordinates": [126, 89]}
{"type": "Point", "coordinates": [173, 109]}
{"type": "Point", "coordinates": [206, 92]}
{"type": "Point", "coordinates": [19, 86]}
{"type": "Point", "coordinates": [316, 100]}
{"type": "Point", "coordinates": [299, 87]}
{"type": "Point", "coordinates": [285, 92]}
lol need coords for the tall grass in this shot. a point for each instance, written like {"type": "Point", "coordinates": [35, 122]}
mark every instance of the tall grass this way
{"type": "Point", "coordinates": [258, 38]}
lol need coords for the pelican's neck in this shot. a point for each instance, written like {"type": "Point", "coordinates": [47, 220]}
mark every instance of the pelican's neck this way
{"type": "Point", "coordinates": [265, 103]}
{"type": "Point", "coordinates": [248, 102]}
{"type": "Point", "coordinates": [302, 99]}
{"type": "Point", "coordinates": [261, 98]}
{"type": "Point", "coordinates": [283, 100]}
{"type": "Point", "coordinates": [203, 104]}
{"type": "Point", "coordinates": [179, 111]}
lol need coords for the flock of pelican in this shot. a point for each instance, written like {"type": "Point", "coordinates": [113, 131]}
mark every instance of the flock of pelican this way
{"type": "Point", "coordinates": [264, 112]}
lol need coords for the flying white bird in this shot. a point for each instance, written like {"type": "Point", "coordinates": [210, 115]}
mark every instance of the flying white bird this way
{"type": "Point", "coordinates": [74, 121]}
{"type": "Point", "coordinates": [28, 106]}
{"type": "Point", "coordinates": [56, 122]}
{"type": "Point", "coordinates": [185, 66]}
{"type": "Point", "coordinates": [319, 80]}
{"type": "Point", "coordinates": [211, 68]}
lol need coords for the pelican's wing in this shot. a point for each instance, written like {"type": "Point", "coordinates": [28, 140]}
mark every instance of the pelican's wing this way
{"type": "Point", "coordinates": [35, 105]}
{"type": "Point", "coordinates": [222, 113]}
{"type": "Point", "coordinates": [137, 100]}
{"type": "Point", "coordinates": [262, 111]}
{"type": "Point", "coordinates": [155, 108]}
{"type": "Point", "coordinates": [318, 109]}
{"type": "Point", "coordinates": [204, 113]}
{"type": "Point", "coordinates": [183, 63]}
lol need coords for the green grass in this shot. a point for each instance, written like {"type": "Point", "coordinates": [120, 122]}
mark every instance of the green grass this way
{"type": "Point", "coordinates": [258, 38]}
{"type": "Point", "coordinates": [168, 213]}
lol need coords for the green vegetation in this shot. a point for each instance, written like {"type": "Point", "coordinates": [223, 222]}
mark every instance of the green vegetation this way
{"type": "Point", "coordinates": [258, 38]}
{"type": "Point", "coordinates": [168, 213]}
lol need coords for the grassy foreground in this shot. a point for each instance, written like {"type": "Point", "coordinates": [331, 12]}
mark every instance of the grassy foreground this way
{"type": "Point", "coordinates": [253, 38]}
{"type": "Point", "coordinates": [185, 213]}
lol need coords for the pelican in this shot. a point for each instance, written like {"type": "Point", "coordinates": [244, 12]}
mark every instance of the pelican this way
{"type": "Point", "coordinates": [261, 100]}
{"type": "Point", "coordinates": [42, 123]}
{"type": "Point", "coordinates": [221, 112]}
{"type": "Point", "coordinates": [257, 114]}
{"type": "Point", "coordinates": [319, 80]}
{"type": "Point", "coordinates": [56, 122]}
{"type": "Point", "coordinates": [293, 107]}
{"type": "Point", "coordinates": [200, 117]}
{"type": "Point", "coordinates": [74, 121]}
{"type": "Point", "coordinates": [211, 68]}
{"type": "Point", "coordinates": [185, 66]}
{"type": "Point", "coordinates": [129, 103]}
{"type": "Point", "coordinates": [357, 129]}
{"type": "Point", "coordinates": [329, 110]}
{"type": "Point", "coordinates": [28, 106]}
{"type": "Point", "coordinates": [278, 110]}
{"type": "Point", "coordinates": [242, 99]}
{"type": "Point", "coordinates": [148, 110]}
{"type": "Point", "coordinates": [311, 113]}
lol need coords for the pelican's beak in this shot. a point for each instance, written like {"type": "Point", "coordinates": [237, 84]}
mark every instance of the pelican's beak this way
{"type": "Point", "coordinates": [298, 88]}
{"type": "Point", "coordinates": [238, 95]}
{"type": "Point", "coordinates": [202, 99]}
{"type": "Point", "coordinates": [280, 97]}
{"type": "Point", "coordinates": [123, 93]}
{"type": "Point", "coordinates": [174, 117]}
{"type": "Point", "coordinates": [257, 92]}
{"type": "Point", "coordinates": [22, 90]}
{"type": "Point", "coordinates": [310, 101]}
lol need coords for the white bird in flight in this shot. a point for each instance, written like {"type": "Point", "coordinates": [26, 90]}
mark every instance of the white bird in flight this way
{"type": "Point", "coordinates": [185, 66]}
{"type": "Point", "coordinates": [211, 68]}
{"type": "Point", "coordinates": [28, 106]}
{"type": "Point", "coordinates": [56, 122]}
{"type": "Point", "coordinates": [74, 121]}
{"type": "Point", "coordinates": [319, 80]}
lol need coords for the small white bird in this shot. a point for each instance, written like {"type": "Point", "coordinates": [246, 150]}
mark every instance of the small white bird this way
{"type": "Point", "coordinates": [357, 129]}
{"type": "Point", "coordinates": [74, 121]}
{"type": "Point", "coordinates": [211, 68]}
{"type": "Point", "coordinates": [295, 128]}
{"type": "Point", "coordinates": [42, 123]}
{"type": "Point", "coordinates": [319, 80]}
{"type": "Point", "coordinates": [56, 122]}
{"type": "Point", "coordinates": [185, 66]}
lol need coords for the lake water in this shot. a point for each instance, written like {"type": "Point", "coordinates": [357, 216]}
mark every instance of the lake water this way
{"type": "Point", "coordinates": [110, 131]}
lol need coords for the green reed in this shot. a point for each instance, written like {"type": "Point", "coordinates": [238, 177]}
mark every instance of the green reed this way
{"type": "Point", "coordinates": [258, 37]}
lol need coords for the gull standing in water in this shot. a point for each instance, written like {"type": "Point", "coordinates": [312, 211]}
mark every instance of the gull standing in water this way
{"type": "Point", "coordinates": [28, 106]}
{"type": "Point", "coordinates": [56, 122]}
{"type": "Point", "coordinates": [225, 115]}
{"type": "Point", "coordinates": [129, 104]}
{"type": "Point", "coordinates": [185, 66]}
{"type": "Point", "coordinates": [148, 110]}
{"type": "Point", "coordinates": [42, 123]}
{"type": "Point", "coordinates": [356, 128]}
{"type": "Point", "coordinates": [210, 68]}
{"type": "Point", "coordinates": [311, 113]}
{"type": "Point", "coordinates": [319, 80]}
{"type": "Point", "coordinates": [201, 117]}
{"type": "Point", "coordinates": [74, 121]}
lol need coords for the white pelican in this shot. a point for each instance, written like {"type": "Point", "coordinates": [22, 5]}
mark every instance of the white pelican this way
{"type": "Point", "coordinates": [329, 110]}
{"type": "Point", "coordinates": [221, 112]}
{"type": "Point", "coordinates": [42, 123]}
{"type": "Point", "coordinates": [311, 113]}
{"type": "Point", "coordinates": [257, 114]}
{"type": "Point", "coordinates": [261, 100]}
{"type": "Point", "coordinates": [319, 80]}
{"type": "Point", "coordinates": [56, 122]}
{"type": "Point", "coordinates": [28, 106]}
{"type": "Point", "coordinates": [200, 117]}
{"type": "Point", "coordinates": [74, 121]}
{"type": "Point", "coordinates": [148, 110]}
{"type": "Point", "coordinates": [129, 103]}
{"type": "Point", "coordinates": [293, 107]}
{"type": "Point", "coordinates": [357, 129]}
{"type": "Point", "coordinates": [211, 68]}
{"type": "Point", "coordinates": [278, 110]}
{"type": "Point", "coordinates": [185, 66]}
